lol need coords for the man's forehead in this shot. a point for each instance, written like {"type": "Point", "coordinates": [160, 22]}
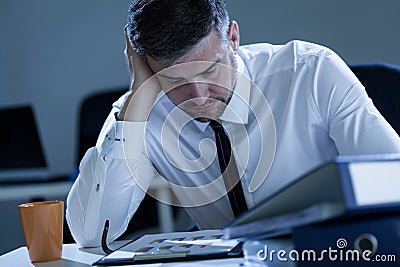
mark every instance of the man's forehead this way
{"type": "Point", "coordinates": [189, 69]}
{"type": "Point", "coordinates": [204, 50]}
{"type": "Point", "coordinates": [209, 49]}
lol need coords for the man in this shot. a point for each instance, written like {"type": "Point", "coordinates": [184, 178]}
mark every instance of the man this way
{"type": "Point", "coordinates": [286, 109]}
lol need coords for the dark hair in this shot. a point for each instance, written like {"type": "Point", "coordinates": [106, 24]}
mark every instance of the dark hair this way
{"type": "Point", "coordinates": [167, 29]}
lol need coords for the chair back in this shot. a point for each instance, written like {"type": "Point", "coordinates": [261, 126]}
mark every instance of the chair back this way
{"type": "Point", "coordinates": [92, 115]}
{"type": "Point", "coordinates": [382, 83]}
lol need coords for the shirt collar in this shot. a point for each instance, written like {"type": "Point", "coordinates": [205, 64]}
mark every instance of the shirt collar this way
{"type": "Point", "coordinates": [237, 110]}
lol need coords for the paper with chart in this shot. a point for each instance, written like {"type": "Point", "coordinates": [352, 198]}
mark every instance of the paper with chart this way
{"type": "Point", "coordinates": [190, 243]}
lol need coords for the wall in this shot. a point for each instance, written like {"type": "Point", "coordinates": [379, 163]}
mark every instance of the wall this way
{"type": "Point", "coordinates": [359, 30]}
{"type": "Point", "coordinates": [53, 53]}
{"type": "Point", "coordinates": [4, 87]}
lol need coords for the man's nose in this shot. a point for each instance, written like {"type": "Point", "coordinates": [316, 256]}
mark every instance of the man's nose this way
{"type": "Point", "coordinates": [199, 93]}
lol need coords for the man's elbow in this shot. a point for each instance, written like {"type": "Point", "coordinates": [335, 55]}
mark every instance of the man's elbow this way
{"type": "Point", "coordinates": [78, 232]}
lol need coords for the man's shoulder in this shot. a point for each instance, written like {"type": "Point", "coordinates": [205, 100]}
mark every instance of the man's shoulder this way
{"type": "Point", "coordinates": [292, 52]}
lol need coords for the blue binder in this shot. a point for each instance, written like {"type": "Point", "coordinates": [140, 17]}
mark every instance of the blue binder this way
{"type": "Point", "coordinates": [366, 240]}
{"type": "Point", "coordinates": [346, 186]}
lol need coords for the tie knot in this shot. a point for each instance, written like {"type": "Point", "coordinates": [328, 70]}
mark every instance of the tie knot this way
{"type": "Point", "coordinates": [216, 126]}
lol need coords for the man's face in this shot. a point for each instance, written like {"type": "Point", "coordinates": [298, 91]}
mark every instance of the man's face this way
{"type": "Point", "coordinates": [200, 82]}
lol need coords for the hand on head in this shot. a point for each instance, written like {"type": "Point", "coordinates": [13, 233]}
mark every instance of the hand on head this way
{"type": "Point", "coordinates": [144, 86]}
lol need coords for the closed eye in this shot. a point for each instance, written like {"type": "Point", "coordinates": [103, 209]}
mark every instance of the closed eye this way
{"type": "Point", "coordinates": [176, 81]}
{"type": "Point", "coordinates": [211, 70]}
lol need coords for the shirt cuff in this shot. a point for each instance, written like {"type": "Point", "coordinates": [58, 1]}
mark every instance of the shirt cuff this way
{"type": "Point", "coordinates": [130, 137]}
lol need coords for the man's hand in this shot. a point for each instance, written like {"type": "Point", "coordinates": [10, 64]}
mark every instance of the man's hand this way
{"type": "Point", "coordinates": [138, 69]}
{"type": "Point", "coordinates": [144, 86]}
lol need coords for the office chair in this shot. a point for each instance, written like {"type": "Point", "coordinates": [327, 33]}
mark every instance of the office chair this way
{"type": "Point", "coordinates": [93, 112]}
{"type": "Point", "coordinates": [382, 83]}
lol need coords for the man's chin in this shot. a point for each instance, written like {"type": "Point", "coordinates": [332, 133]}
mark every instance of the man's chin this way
{"type": "Point", "coordinates": [202, 119]}
{"type": "Point", "coordinates": [206, 116]}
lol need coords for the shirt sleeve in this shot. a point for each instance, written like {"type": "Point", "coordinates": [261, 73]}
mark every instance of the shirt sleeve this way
{"type": "Point", "coordinates": [354, 123]}
{"type": "Point", "coordinates": [107, 187]}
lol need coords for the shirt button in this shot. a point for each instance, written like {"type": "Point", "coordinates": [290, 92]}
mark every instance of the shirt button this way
{"type": "Point", "coordinates": [97, 187]}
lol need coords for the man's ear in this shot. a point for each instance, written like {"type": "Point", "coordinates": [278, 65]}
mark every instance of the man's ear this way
{"type": "Point", "coordinates": [233, 35]}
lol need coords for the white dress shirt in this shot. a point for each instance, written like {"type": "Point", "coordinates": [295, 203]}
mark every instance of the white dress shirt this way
{"type": "Point", "coordinates": [301, 106]}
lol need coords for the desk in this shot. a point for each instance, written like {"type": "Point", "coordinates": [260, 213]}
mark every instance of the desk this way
{"type": "Point", "coordinates": [11, 195]}
{"type": "Point", "coordinates": [73, 256]}
{"type": "Point", "coordinates": [50, 190]}
{"type": "Point", "coordinates": [28, 191]}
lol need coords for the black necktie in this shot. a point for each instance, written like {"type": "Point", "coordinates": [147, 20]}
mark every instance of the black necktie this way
{"type": "Point", "coordinates": [229, 169]}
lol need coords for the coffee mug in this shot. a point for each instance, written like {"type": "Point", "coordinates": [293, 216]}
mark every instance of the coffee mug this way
{"type": "Point", "coordinates": [42, 223]}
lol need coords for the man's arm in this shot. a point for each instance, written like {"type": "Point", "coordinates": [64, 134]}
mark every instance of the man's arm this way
{"type": "Point", "coordinates": [107, 186]}
{"type": "Point", "coordinates": [355, 125]}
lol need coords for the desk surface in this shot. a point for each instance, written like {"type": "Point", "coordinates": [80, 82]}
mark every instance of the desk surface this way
{"type": "Point", "coordinates": [73, 256]}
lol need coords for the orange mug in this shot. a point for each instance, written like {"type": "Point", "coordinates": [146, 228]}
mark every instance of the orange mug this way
{"type": "Point", "coordinates": [42, 223]}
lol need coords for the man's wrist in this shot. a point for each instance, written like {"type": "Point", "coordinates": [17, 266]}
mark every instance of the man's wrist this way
{"type": "Point", "coordinates": [137, 107]}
